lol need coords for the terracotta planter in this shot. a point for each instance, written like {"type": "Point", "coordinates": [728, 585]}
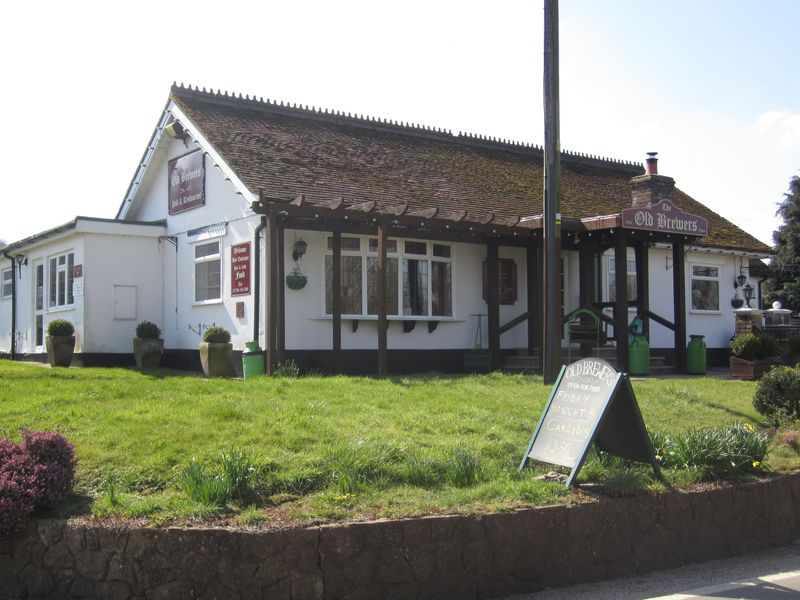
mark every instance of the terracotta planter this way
{"type": "Point", "coordinates": [147, 352]}
{"type": "Point", "coordinates": [60, 349]}
{"type": "Point", "coordinates": [745, 369]}
{"type": "Point", "coordinates": [216, 359]}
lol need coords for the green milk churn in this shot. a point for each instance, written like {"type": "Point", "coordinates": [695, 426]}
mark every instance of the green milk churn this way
{"type": "Point", "coordinates": [696, 355]}
{"type": "Point", "coordinates": [252, 360]}
{"type": "Point", "coordinates": [639, 356]}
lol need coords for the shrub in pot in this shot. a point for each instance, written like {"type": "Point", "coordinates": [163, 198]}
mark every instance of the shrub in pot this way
{"type": "Point", "coordinates": [147, 345]}
{"type": "Point", "coordinates": [753, 355]}
{"type": "Point", "coordinates": [60, 342]}
{"type": "Point", "coordinates": [216, 352]}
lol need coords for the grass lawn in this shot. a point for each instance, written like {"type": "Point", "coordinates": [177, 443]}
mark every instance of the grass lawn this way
{"type": "Point", "coordinates": [320, 447]}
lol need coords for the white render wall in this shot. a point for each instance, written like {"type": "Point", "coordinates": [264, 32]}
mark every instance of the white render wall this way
{"type": "Point", "coordinates": [119, 260]}
{"type": "Point", "coordinates": [5, 313]}
{"type": "Point", "coordinates": [182, 320]}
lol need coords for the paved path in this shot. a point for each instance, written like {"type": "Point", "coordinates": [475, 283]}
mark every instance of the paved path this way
{"type": "Point", "coordinates": [771, 575]}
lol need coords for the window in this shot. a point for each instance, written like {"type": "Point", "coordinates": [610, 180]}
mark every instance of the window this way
{"type": "Point", "coordinates": [612, 280]}
{"type": "Point", "coordinates": [207, 276]}
{"type": "Point", "coordinates": [705, 288]}
{"type": "Point", "coordinates": [7, 277]}
{"type": "Point", "coordinates": [418, 278]}
{"type": "Point", "coordinates": [61, 278]}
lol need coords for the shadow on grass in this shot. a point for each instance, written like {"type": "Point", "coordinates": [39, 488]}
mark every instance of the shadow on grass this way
{"type": "Point", "coordinates": [76, 505]}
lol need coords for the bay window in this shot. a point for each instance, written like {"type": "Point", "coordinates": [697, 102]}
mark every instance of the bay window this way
{"type": "Point", "coordinates": [418, 278]}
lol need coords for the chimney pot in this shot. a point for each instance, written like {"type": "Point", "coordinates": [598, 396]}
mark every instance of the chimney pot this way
{"type": "Point", "coordinates": [652, 164]}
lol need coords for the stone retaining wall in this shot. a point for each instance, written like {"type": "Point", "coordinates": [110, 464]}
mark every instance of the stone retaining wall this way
{"type": "Point", "coordinates": [439, 557]}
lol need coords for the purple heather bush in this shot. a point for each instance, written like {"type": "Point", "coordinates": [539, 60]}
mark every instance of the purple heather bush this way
{"type": "Point", "coordinates": [35, 474]}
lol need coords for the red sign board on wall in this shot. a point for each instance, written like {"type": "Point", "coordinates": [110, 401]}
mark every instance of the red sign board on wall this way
{"type": "Point", "coordinates": [240, 269]}
{"type": "Point", "coordinates": [664, 216]}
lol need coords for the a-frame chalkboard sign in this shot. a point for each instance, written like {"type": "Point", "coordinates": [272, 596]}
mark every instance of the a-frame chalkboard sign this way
{"type": "Point", "coordinates": [590, 403]}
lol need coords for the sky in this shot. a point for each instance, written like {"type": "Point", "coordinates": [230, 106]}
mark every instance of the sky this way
{"type": "Point", "coordinates": [709, 84]}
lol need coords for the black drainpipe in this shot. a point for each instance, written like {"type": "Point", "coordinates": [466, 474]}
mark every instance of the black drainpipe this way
{"type": "Point", "coordinates": [257, 293]}
{"type": "Point", "coordinates": [13, 305]}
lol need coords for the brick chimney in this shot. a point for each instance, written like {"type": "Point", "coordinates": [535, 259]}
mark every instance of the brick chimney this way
{"type": "Point", "coordinates": [651, 188]}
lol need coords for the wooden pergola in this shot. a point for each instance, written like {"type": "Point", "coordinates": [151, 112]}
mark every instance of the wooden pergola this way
{"type": "Point", "coordinates": [589, 236]}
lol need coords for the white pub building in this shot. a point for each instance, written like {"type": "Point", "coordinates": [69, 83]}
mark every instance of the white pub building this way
{"type": "Point", "coordinates": [353, 244]}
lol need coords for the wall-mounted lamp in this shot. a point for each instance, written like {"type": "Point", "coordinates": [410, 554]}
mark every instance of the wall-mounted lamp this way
{"type": "Point", "coordinates": [175, 130]}
{"type": "Point", "coordinates": [21, 260]}
{"type": "Point", "coordinates": [747, 289]}
{"type": "Point", "coordinates": [300, 247]}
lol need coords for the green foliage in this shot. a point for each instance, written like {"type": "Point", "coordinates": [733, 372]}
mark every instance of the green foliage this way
{"type": "Point", "coordinates": [148, 331]}
{"type": "Point", "coordinates": [230, 481]}
{"type": "Point", "coordinates": [291, 428]}
{"type": "Point", "coordinates": [783, 283]}
{"type": "Point", "coordinates": [750, 346]}
{"type": "Point", "coordinates": [717, 453]}
{"type": "Point", "coordinates": [60, 327]}
{"type": "Point", "coordinates": [287, 369]}
{"type": "Point", "coordinates": [463, 469]}
{"type": "Point", "coordinates": [354, 465]}
{"type": "Point", "coordinates": [777, 395]}
{"type": "Point", "coordinates": [217, 335]}
{"type": "Point", "coordinates": [793, 348]}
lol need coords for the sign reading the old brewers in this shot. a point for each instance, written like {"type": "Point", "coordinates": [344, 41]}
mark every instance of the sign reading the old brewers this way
{"type": "Point", "coordinates": [240, 269]}
{"type": "Point", "coordinates": [186, 178]}
{"type": "Point", "coordinates": [590, 403]}
{"type": "Point", "coordinates": [664, 217]}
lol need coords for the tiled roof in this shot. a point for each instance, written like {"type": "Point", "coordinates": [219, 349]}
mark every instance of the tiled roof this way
{"type": "Point", "coordinates": [284, 151]}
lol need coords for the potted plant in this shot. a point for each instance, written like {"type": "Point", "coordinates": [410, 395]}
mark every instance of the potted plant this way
{"type": "Point", "coordinates": [216, 352]}
{"type": "Point", "coordinates": [60, 342]}
{"type": "Point", "coordinates": [753, 355]}
{"type": "Point", "coordinates": [147, 345]}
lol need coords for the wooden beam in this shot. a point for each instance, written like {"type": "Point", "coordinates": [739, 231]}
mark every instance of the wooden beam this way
{"type": "Point", "coordinates": [272, 293]}
{"type": "Point", "coordinates": [679, 304]}
{"type": "Point", "coordinates": [383, 366]}
{"type": "Point", "coordinates": [493, 301]}
{"type": "Point", "coordinates": [534, 293]}
{"type": "Point", "coordinates": [336, 297]}
{"type": "Point", "coordinates": [643, 285]}
{"type": "Point", "coordinates": [281, 321]}
{"type": "Point", "coordinates": [586, 286]}
{"type": "Point", "coordinates": [621, 303]}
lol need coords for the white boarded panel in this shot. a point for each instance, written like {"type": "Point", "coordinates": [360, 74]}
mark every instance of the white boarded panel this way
{"type": "Point", "coordinates": [125, 302]}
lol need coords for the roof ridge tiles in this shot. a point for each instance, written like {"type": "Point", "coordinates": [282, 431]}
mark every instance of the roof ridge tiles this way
{"type": "Point", "coordinates": [340, 117]}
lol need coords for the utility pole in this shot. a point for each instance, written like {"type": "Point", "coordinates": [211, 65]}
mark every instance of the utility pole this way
{"type": "Point", "coordinates": [551, 346]}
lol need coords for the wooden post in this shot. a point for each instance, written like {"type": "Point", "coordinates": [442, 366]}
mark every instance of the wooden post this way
{"type": "Point", "coordinates": [493, 301]}
{"type": "Point", "coordinates": [281, 334]}
{"type": "Point", "coordinates": [534, 276]}
{"type": "Point", "coordinates": [382, 309]}
{"type": "Point", "coordinates": [553, 327]}
{"type": "Point", "coordinates": [586, 286]}
{"type": "Point", "coordinates": [272, 292]}
{"type": "Point", "coordinates": [643, 284]}
{"type": "Point", "coordinates": [679, 299]}
{"type": "Point", "coordinates": [336, 295]}
{"type": "Point", "coordinates": [621, 303]}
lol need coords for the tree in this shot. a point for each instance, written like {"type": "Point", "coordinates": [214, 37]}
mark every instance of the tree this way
{"type": "Point", "coordinates": [784, 280]}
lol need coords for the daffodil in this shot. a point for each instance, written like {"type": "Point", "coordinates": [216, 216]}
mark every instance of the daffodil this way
{"type": "Point", "coordinates": [756, 464]}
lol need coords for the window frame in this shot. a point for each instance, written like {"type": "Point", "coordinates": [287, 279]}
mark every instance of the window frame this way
{"type": "Point", "coordinates": [203, 260]}
{"type": "Point", "coordinates": [52, 292]}
{"type": "Point", "coordinates": [366, 252]}
{"type": "Point", "coordinates": [713, 278]}
{"type": "Point", "coordinates": [631, 275]}
{"type": "Point", "coordinates": [4, 283]}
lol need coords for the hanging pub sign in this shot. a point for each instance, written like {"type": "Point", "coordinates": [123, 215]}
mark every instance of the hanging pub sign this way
{"type": "Point", "coordinates": [240, 269]}
{"type": "Point", "coordinates": [664, 217]}
{"type": "Point", "coordinates": [186, 176]}
{"type": "Point", "coordinates": [590, 403]}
